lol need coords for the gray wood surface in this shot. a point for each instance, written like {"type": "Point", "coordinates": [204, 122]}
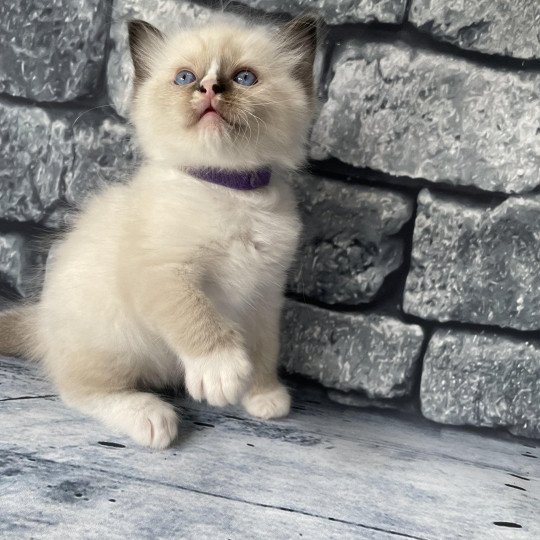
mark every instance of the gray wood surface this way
{"type": "Point", "coordinates": [327, 471]}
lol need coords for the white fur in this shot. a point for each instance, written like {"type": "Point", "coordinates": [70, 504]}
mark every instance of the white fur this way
{"type": "Point", "coordinates": [212, 72]}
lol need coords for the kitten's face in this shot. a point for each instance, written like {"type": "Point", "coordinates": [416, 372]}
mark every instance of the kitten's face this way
{"type": "Point", "coordinates": [225, 95]}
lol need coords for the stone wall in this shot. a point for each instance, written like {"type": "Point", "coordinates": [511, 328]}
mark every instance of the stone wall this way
{"type": "Point", "coordinates": [418, 279]}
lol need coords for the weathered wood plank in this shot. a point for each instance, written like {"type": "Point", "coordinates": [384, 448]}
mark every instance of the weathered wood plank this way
{"type": "Point", "coordinates": [48, 499]}
{"type": "Point", "coordinates": [372, 471]}
{"type": "Point", "coordinates": [402, 431]}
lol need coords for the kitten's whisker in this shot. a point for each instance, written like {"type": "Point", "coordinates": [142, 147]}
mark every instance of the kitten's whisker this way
{"type": "Point", "coordinates": [243, 118]}
{"type": "Point", "coordinates": [90, 110]}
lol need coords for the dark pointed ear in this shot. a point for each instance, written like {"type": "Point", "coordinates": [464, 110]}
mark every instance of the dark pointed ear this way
{"type": "Point", "coordinates": [142, 38]}
{"type": "Point", "coordinates": [300, 35]}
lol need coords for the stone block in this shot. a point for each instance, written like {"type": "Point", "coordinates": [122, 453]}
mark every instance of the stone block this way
{"type": "Point", "coordinates": [35, 152]}
{"type": "Point", "coordinates": [476, 263]}
{"type": "Point", "coordinates": [356, 399]}
{"type": "Point", "coordinates": [411, 112]}
{"type": "Point", "coordinates": [372, 353]}
{"type": "Point", "coordinates": [349, 242]}
{"type": "Point", "coordinates": [47, 157]}
{"type": "Point", "coordinates": [338, 11]}
{"type": "Point", "coordinates": [52, 50]}
{"type": "Point", "coordinates": [482, 380]}
{"type": "Point", "coordinates": [489, 26]}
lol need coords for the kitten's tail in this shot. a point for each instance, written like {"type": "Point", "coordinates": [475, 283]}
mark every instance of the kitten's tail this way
{"type": "Point", "coordinates": [18, 331]}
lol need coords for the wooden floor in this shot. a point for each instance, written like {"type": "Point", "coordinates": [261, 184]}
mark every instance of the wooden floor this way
{"type": "Point", "coordinates": [327, 471]}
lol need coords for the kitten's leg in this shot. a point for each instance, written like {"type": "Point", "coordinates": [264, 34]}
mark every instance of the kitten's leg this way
{"type": "Point", "coordinates": [267, 397]}
{"type": "Point", "coordinates": [104, 386]}
{"type": "Point", "coordinates": [146, 418]}
{"type": "Point", "coordinates": [216, 363]}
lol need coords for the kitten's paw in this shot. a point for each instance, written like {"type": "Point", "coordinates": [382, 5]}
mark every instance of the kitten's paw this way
{"type": "Point", "coordinates": [155, 424]}
{"type": "Point", "coordinates": [274, 403]}
{"type": "Point", "coordinates": [220, 378]}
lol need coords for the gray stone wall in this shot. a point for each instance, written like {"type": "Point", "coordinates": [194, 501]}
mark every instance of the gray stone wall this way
{"type": "Point", "coordinates": [418, 278]}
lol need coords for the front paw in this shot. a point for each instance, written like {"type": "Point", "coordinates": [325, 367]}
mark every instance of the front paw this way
{"type": "Point", "coordinates": [221, 377]}
{"type": "Point", "coordinates": [273, 403]}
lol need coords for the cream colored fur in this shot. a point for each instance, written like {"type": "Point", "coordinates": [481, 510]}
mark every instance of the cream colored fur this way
{"type": "Point", "coordinates": [168, 278]}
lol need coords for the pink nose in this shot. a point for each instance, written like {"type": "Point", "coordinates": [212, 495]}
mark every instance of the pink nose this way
{"type": "Point", "coordinates": [210, 87]}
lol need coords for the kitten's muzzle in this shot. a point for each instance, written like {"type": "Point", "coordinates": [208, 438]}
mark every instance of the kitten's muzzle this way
{"type": "Point", "coordinates": [210, 112]}
{"type": "Point", "coordinates": [208, 105]}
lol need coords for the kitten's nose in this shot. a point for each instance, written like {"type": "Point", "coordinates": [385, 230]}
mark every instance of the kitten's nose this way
{"type": "Point", "coordinates": [211, 86]}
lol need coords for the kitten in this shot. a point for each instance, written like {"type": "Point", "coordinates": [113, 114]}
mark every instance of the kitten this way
{"type": "Point", "coordinates": [179, 273]}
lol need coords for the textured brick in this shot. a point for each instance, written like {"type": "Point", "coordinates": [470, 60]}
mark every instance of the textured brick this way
{"type": "Point", "coordinates": [35, 153]}
{"type": "Point", "coordinates": [490, 26]}
{"type": "Point", "coordinates": [164, 14]}
{"type": "Point", "coordinates": [416, 113]}
{"type": "Point", "coordinates": [475, 263]}
{"type": "Point", "coordinates": [52, 50]}
{"type": "Point", "coordinates": [356, 399]}
{"type": "Point", "coordinates": [47, 157]}
{"type": "Point", "coordinates": [371, 353]}
{"type": "Point", "coordinates": [338, 11]}
{"type": "Point", "coordinates": [482, 380]}
{"type": "Point", "coordinates": [349, 244]}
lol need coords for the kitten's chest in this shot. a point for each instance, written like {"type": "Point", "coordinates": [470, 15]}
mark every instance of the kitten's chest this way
{"type": "Point", "coordinates": [256, 254]}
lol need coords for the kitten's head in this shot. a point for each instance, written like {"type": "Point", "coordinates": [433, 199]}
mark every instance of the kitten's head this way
{"type": "Point", "coordinates": [228, 94]}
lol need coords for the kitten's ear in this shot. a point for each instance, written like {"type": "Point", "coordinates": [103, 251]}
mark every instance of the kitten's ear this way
{"type": "Point", "coordinates": [143, 37]}
{"type": "Point", "coordinates": [300, 36]}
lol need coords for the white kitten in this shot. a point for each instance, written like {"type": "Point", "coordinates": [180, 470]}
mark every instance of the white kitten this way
{"type": "Point", "coordinates": [179, 274]}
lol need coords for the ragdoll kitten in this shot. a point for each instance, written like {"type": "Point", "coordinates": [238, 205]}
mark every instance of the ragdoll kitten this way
{"type": "Point", "coordinates": [179, 273]}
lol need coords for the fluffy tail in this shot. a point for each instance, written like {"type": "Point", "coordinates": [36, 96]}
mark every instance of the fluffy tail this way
{"type": "Point", "coordinates": [17, 331]}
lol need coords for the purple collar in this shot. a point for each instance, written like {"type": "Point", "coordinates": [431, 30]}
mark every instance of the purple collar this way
{"type": "Point", "coordinates": [242, 180]}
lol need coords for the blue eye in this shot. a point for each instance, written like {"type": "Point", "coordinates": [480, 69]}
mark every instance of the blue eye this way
{"type": "Point", "coordinates": [245, 78]}
{"type": "Point", "coordinates": [184, 77]}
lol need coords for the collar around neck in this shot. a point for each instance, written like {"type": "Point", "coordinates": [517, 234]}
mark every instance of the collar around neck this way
{"type": "Point", "coordinates": [241, 180]}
